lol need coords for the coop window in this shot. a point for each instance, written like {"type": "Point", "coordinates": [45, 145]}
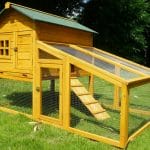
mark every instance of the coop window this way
{"type": "Point", "coordinates": [4, 48]}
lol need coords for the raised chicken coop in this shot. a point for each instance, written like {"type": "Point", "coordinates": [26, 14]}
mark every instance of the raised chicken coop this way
{"type": "Point", "coordinates": [50, 72]}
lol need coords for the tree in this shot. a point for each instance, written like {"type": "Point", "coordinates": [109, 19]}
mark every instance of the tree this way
{"type": "Point", "coordinates": [120, 24]}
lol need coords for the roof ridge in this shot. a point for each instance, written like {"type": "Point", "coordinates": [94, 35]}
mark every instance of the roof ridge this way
{"type": "Point", "coordinates": [65, 18]}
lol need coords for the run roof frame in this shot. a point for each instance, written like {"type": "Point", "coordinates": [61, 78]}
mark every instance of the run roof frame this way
{"type": "Point", "coordinates": [144, 78]}
{"type": "Point", "coordinates": [74, 60]}
{"type": "Point", "coordinates": [48, 46]}
{"type": "Point", "coordinates": [108, 60]}
{"type": "Point", "coordinates": [121, 59]}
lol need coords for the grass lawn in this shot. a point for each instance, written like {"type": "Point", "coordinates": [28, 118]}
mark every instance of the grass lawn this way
{"type": "Point", "coordinates": [16, 133]}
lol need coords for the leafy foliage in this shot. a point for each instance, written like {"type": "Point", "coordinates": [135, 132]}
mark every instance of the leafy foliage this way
{"type": "Point", "coordinates": [121, 26]}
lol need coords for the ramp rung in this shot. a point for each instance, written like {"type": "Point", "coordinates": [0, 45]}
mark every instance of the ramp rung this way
{"type": "Point", "coordinates": [88, 103]}
{"type": "Point", "coordinates": [83, 94]}
{"type": "Point", "coordinates": [88, 100]}
{"type": "Point", "coordinates": [101, 116]}
{"type": "Point", "coordinates": [76, 85]}
{"type": "Point", "coordinates": [95, 107]}
{"type": "Point", "coordinates": [97, 112]}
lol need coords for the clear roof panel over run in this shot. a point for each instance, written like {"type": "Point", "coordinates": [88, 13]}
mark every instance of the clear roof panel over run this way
{"type": "Point", "coordinates": [110, 63]}
{"type": "Point", "coordinates": [119, 60]}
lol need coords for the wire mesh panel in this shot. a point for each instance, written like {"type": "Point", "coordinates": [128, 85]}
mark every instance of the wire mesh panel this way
{"type": "Point", "coordinates": [50, 92]}
{"type": "Point", "coordinates": [89, 112]}
{"type": "Point", "coordinates": [139, 107]}
{"type": "Point", "coordinates": [16, 95]}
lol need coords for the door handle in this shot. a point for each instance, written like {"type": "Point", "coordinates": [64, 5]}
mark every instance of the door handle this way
{"type": "Point", "coordinates": [16, 49]}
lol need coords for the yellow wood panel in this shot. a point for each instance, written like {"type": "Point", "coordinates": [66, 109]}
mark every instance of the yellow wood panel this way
{"type": "Point", "coordinates": [16, 74]}
{"type": "Point", "coordinates": [25, 49]}
{"type": "Point", "coordinates": [25, 39]}
{"type": "Point", "coordinates": [5, 65]}
{"type": "Point", "coordinates": [18, 78]}
{"type": "Point", "coordinates": [56, 33]}
{"type": "Point", "coordinates": [25, 55]}
{"type": "Point", "coordinates": [14, 21]}
{"type": "Point", "coordinates": [24, 64]}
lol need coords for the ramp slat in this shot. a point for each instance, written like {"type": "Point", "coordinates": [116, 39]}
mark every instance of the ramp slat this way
{"type": "Point", "coordinates": [88, 100]}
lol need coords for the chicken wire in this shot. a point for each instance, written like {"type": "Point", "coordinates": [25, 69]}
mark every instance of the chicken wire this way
{"type": "Point", "coordinates": [16, 95]}
{"type": "Point", "coordinates": [82, 119]}
{"type": "Point", "coordinates": [139, 105]}
{"type": "Point", "coordinates": [50, 92]}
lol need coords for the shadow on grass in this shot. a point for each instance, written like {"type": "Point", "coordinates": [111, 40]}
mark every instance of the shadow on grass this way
{"type": "Point", "coordinates": [81, 114]}
{"type": "Point", "coordinates": [50, 101]}
{"type": "Point", "coordinates": [50, 105]}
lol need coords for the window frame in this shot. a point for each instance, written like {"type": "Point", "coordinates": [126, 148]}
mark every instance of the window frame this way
{"type": "Point", "coordinates": [5, 48]}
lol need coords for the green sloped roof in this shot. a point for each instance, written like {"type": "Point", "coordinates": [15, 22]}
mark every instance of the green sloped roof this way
{"type": "Point", "coordinates": [49, 18]}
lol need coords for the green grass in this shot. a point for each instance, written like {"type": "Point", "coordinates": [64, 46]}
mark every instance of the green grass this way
{"type": "Point", "coordinates": [16, 133]}
{"type": "Point", "coordinates": [103, 91]}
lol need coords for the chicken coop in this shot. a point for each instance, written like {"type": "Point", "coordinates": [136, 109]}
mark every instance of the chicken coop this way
{"type": "Point", "coordinates": [50, 72]}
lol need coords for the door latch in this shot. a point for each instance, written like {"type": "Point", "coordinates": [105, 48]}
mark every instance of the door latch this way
{"type": "Point", "coordinates": [38, 89]}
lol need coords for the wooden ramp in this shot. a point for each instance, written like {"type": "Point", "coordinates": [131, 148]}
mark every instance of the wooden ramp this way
{"type": "Point", "coordinates": [88, 100]}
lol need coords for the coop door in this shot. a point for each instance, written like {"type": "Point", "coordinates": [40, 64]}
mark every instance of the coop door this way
{"type": "Point", "coordinates": [51, 95]}
{"type": "Point", "coordinates": [23, 50]}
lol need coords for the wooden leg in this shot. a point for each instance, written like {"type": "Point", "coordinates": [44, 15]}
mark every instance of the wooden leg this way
{"type": "Point", "coordinates": [91, 84]}
{"type": "Point", "coordinates": [124, 116]}
{"type": "Point", "coordinates": [52, 86]}
{"type": "Point", "coordinates": [116, 97]}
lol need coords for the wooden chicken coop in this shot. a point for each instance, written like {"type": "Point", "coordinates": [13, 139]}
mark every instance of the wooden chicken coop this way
{"type": "Point", "coordinates": [56, 56]}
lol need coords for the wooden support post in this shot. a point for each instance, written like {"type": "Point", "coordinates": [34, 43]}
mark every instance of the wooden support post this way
{"type": "Point", "coordinates": [36, 102]}
{"type": "Point", "coordinates": [52, 85]}
{"type": "Point", "coordinates": [66, 94]}
{"type": "Point", "coordinates": [116, 104]}
{"type": "Point", "coordinates": [91, 84]}
{"type": "Point", "coordinates": [116, 90]}
{"type": "Point", "coordinates": [124, 116]}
